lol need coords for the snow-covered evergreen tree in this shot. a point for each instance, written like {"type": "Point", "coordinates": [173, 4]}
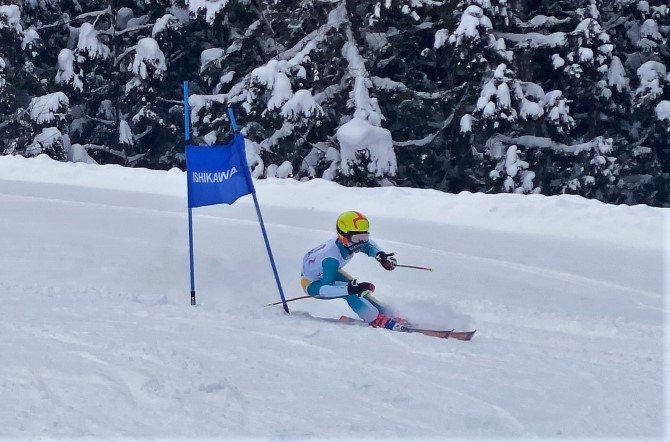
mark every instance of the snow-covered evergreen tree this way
{"type": "Point", "coordinates": [311, 103]}
{"type": "Point", "coordinates": [470, 52]}
{"type": "Point", "coordinates": [49, 115]}
{"type": "Point", "coordinates": [19, 78]}
{"type": "Point", "coordinates": [641, 43]}
{"type": "Point", "coordinates": [560, 96]}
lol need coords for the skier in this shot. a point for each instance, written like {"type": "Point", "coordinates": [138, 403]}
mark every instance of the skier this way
{"type": "Point", "coordinates": [322, 275]}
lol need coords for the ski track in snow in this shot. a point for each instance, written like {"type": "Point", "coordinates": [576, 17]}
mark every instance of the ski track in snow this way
{"type": "Point", "coordinates": [113, 350]}
{"type": "Point", "coordinates": [538, 271]}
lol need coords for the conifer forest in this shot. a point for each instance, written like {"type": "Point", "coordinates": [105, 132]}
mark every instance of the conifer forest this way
{"type": "Point", "coordinates": [496, 96]}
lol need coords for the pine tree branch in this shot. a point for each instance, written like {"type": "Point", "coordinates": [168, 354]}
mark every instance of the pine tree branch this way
{"type": "Point", "coordinates": [143, 134]}
{"type": "Point", "coordinates": [390, 85]}
{"type": "Point", "coordinates": [125, 53]}
{"type": "Point", "coordinates": [616, 21]}
{"type": "Point", "coordinates": [532, 141]}
{"type": "Point", "coordinates": [165, 100]}
{"type": "Point", "coordinates": [643, 139]}
{"type": "Point", "coordinates": [100, 120]}
{"type": "Point", "coordinates": [176, 56]}
{"type": "Point", "coordinates": [429, 138]}
{"type": "Point", "coordinates": [134, 29]}
{"type": "Point", "coordinates": [259, 9]}
{"type": "Point", "coordinates": [101, 148]}
{"type": "Point", "coordinates": [83, 16]}
{"type": "Point", "coordinates": [13, 118]}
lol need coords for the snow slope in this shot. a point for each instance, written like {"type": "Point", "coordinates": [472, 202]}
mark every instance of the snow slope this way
{"type": "Point", "coordinates": [99, 340]}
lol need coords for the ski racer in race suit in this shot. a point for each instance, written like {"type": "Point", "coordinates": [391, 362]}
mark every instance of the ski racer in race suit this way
{"type": "Point", "coordinates": [322, 275]}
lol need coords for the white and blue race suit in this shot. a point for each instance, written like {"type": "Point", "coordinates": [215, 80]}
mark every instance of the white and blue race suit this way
{"type": "Point", "coordinates": [322, 276]}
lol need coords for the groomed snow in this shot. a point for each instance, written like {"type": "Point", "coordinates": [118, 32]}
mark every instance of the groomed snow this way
{"type": "Point", "coordinates": [99, 341]}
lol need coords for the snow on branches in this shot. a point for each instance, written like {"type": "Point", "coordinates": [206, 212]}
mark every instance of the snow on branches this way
{"type": "Point", "coordinates": [3, 82]}
{"type": "Point", "coordinates": [362, 139]}
{"type": "Point", "coordinates": [504, 100]}
{"type": "Point", "coordinates": [358, 137]}
{"type": "Point", "coordinates": [662, 111]}
{"type": "Point", "coordinates": [149, 60]}
{"type": "Point", "coordinates": [495, 101]}
{"type": "Point", "coordinates": [46, 108]}
{"type": "Point", "coordinates": [590, 49]}
{"type": "Point", "coordinates": [510, 168]}
{"type": "Point", "coordinates": [653, 78]}
{"type": "Point", "coordinates": [473, 23]}
{"type": "Point", "coordinates": [274, 80]}
{"type": "Point", "coordinates": [410, 8]}
{"type": "Point", "coordinates": [10, 18]}
{"type": "Point", "coordinates": [66, 70]}
{"type": "Point", "coordinates": [49, 115]}
{"type": "Point", "coordinates": [89, 44]}
{"type": "Point", "coordinates": [207, 8]}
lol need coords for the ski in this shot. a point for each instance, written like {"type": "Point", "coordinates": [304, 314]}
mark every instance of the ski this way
{"type": "Point", "coordinates": [462, 335]}
{"type": "Point", "coordinates": [443, 334]}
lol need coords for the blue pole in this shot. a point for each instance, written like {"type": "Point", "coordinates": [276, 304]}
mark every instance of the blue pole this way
{"type": "Point", "coordinates": [190, 247]}
{"type": "Point", "coordinates": [232, 119]}
{"type": "Point", "coordinates": [187, 115]}
{"type": "Point", "coordinates": [250, 183]}
{"type": "Point", "coordinates": [267, 246]}
{"type": "Point", "coordinates": [187, 138]}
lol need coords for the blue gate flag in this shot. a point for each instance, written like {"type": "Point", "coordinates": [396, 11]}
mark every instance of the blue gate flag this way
{"type": "Point", "coordinates": [217, 174]}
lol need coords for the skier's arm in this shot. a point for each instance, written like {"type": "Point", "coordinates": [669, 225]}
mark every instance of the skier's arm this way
{"type": "Point", "coordinates": [385, 259]}
{"type": "Point", "coordinates": [371, 249]}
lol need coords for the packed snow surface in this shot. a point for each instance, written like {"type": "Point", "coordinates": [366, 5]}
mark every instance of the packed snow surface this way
{"type": "Point", "coordinates": [100, 342]}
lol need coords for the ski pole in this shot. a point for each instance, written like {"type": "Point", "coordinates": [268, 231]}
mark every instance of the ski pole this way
{"type": "Point", "coordinates": [414, 267]}
{"type": "Point", "coordinates": [289, 300]}
{"type": "Point", "coordinates": [305, 297]}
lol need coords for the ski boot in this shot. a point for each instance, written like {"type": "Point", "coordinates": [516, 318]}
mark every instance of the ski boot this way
{"type": "Point", "coordinates": [383, 321]}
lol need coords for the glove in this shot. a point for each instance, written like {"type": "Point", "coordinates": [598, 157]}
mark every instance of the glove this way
{"type": "Point", "coordinates": [387, 260]}
{"type": "Point", "coordinates": [361, 289]}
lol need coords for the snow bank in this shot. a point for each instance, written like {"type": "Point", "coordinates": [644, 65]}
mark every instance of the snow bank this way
{"type": "Point", "coordinates": [565, 216]}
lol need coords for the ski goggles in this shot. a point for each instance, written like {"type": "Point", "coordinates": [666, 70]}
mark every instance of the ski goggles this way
{"type": "Point", "coordinates": [357, 238]}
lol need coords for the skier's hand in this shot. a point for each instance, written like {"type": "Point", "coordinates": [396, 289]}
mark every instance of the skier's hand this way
{"type": "Point", "coordinates": [387, 260]}
{"type": "Point", "coordinates": [361, 289]}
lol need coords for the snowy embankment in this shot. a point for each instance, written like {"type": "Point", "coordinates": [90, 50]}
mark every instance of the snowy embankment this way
{"type": "Point", "coordinates": [99, 340]}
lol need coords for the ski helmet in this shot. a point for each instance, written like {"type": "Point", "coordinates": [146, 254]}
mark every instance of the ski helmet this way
{"type": "Point", "coordinates": [352, 228]}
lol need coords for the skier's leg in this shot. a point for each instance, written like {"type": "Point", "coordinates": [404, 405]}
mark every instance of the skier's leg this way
{"type": "Point", "coordinates": [362, 307]}
{"type": "Point", "coordinates": [344, 276]}
{"type": "Point", "coordinates": [317, 288]}
{"type": "Point", "coordinates": [304, 283]}
{"type": "Point", "coordinates": [376, 304]}
{"type": "Point", "coordinates": [367, 308]}
{"type": "Point", "coordinates": [370, 314]}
